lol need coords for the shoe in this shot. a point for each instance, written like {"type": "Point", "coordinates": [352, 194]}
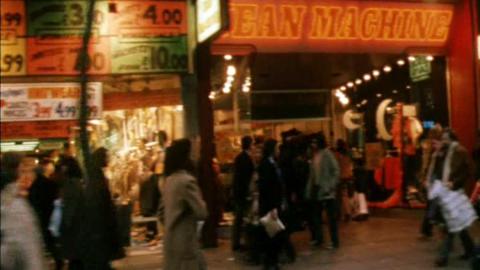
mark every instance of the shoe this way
{"type": "Point", "coordinates": [442, 262]}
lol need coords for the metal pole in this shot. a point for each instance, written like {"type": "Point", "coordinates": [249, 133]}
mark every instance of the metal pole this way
{"type": "Point", "coordinates": [83, 118]}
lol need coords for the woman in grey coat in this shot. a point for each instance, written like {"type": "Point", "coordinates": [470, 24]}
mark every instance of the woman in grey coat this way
{"type": "Point", "coordinates": [184, 208]}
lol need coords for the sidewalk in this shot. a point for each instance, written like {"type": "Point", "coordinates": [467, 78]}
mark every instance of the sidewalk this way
{"type": "Point", "coordinates": [388, 240]}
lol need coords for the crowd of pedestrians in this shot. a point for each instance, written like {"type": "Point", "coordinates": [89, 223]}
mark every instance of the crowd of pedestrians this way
{"type": "Point", "coordinates": [294, 182]}
{"type": "Point", "coordinates": [53, 208]}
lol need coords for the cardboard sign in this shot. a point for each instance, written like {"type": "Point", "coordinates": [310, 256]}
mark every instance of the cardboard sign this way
{"type": "Point", "coordinates": [37, 129]}
{"type": "Point", "coordinates": [51, 19]}
{"type": "Point", "coordinates": [60, 56]}
{"type": "Point", "coordinates": [420, 69]}
{"type": "Point", "coordinates": [140, 19]}
{"type": "Point", "coordinates": [337, 26]}
{"type": "Point", "coordinates": [149, 55]}
{"type": "Point", "coordinates": [12, 42]}
{"type": "Point", "coordinates": [47, 101]}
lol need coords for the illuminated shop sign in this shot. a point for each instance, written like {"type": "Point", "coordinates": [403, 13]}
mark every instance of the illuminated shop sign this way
{"type": "Point", "coordinates": [209, 18]}
{"type": "Point", "coordinates": [313, 23]}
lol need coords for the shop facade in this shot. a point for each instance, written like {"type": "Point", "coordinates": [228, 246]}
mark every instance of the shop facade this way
{"type": "Point", "coordinates": [445, 30]}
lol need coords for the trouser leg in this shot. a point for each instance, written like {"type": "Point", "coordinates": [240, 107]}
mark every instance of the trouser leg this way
{"type": "Point", "coordinates": [332, 221]}
{"type": "Point", "coordinates": [467, 242]}
{"type": "Point", "coordinates": [237, 226]}
{"type": "Point", "coordinates": [317, 221]}
{"type": "Point", "coordinates": [446, 246]}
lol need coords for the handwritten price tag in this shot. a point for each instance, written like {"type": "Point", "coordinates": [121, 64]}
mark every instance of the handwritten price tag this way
{"type": "Point", "coordinates": [151, 55]}
{"type": "Point", "coordinates": [12, 42]}
{"type": "Point", "coordinates": [65, 18]}
{"type": "Point", "coordinates": [61, 57]}
{"type": "Point", "coordinates": [148, 19]}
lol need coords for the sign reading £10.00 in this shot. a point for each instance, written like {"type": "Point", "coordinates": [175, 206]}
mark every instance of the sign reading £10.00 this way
{"type": "Point", "coordinates": [47, 101]}
{"type": "Point", "coordinates": [12, 40]}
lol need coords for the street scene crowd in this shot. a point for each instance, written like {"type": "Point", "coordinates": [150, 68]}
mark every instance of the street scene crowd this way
{"type": "Point", "coordinates": [278, 188]}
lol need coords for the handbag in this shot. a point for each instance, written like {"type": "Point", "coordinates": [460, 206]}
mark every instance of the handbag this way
{"type": "Point", "coordinates": [272, 226]}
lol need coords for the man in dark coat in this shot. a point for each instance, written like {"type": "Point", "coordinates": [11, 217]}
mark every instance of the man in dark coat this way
{"type": "Point", "coordinates": [243, 172]}
{"type": "Point", "coordinates": [42, 194]}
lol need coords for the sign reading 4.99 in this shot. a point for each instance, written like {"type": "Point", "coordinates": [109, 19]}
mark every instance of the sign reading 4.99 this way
{"type": "Point", "coordinates": [12, 41]}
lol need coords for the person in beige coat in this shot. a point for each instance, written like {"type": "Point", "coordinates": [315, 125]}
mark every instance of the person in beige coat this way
{"type": "Point", "coordinates": [184, 208]}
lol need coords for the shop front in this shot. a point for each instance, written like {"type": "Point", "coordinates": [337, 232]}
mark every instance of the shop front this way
{"type": "Point", "coordinates": [137, 58]}
{"type": "Point", "coordinates": [374, 73]}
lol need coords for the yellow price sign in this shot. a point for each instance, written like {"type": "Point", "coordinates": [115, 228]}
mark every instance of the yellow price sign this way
{"type": "Point", "coordinates": [12, 38]}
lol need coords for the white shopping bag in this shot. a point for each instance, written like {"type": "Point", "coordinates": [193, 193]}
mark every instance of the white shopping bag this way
{"type": "Point", "coordinates": [272, 226]}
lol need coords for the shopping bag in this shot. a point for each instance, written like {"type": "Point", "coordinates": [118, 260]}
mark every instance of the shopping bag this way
{"type": "Point", "coordinates": [272, 226]}
{"type": "Point", "coordinates": [56, 218]}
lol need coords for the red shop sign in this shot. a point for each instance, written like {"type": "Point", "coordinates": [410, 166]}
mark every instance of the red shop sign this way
{"type": "Point", "coordinates": [337, 26]}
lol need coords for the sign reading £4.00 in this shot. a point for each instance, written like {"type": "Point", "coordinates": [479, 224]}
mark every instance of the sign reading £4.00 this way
{"type": "Point", "coordinates": [12, 40]}
{"type": "Point", "coordinates": [47, 101]}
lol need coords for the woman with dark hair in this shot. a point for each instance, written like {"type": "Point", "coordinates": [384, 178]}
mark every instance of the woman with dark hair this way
{"type": "Point", "coordinates": [184, 208]}
{"type": "Point", "coordinates": [272, 202]}
{"type": "Point", "coordinates": [21, 243]}
{"type": "Point", "coordinates": [73, 236]}
{"type": "Point", "coordinates": [104, 243]}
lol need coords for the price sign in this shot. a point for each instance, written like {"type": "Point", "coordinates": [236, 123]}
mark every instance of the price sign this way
{"type": "Point", "coordinates": [65, 18]}
{"type": "Point", "coordinates": [148, 19]}
{"type": "Point", "coordinates": [151, 55]}
{"type": "Point", "coordinates": [12, 42]}
{"type": "Point", "coordinates": [61, 56]}
{"type": "Point", "coordinates": [47, 101]}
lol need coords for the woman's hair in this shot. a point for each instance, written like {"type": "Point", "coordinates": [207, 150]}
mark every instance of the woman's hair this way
{"type": "Point", "coordinates": [10, 162]}
{"type": "Point", "coordinates": [178, 157]}
{"type": "Point", "coordinates": [342, 147]}
{"type": "Point", "coordinates": [71, 168]}
{"type": "Point", "coordinates": [100, 157]}
{"type": "Point", "coordinates": [450, 134]}
{"type": "Point", "coordinates": [269, 148]}
{"type": "Point", "coordinates": [321, 141]}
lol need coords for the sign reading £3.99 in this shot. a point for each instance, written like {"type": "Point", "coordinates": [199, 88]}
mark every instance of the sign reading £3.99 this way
{"type": "Point", "coordinates": [47, 101]}
{"type": "Point", "coordinates": [12, 41]}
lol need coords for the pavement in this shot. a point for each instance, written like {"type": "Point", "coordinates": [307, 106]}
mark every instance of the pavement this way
{"type": "Point", "coordinates": [388, 240]}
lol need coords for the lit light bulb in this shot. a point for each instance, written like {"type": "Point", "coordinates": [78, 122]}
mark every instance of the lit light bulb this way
{"type": "Point", "coordinates": [230, 79]}
{"type": "Point", "coordinates": [358, 81]}
{"type": "Point", "coordinates": [228, 57]}
{"type": "Point", "coordinates": [343, 88]}
{"type": "Point", "coordinates": [245, 89]}
{"type": "Point", "coordinates": [408, 87]}
{"type": "Point", "coordinates": [401, 62]}
{"type": "Point", "coordinates": [350, 84]}
{"type": "Point", "coordinates": [376, 73]}
{"type": "Point", "coordinates": [379, 95]}
{"type": "Point", "coordinates": [339, 94]}
{"type": "Point", "coordinates": [231, 70]}
{"type": "Point", "coordinates": [387, 69]}
{"type": "Point", "coordinates": [411, 58]}
{"type": "Point", "coordinates": [395, 91]}
{"type": "Point", "coordinates": [364, 102]}
{"type": "Point", "coordinates": [212, 95]}
{"type": "Point", "coordinates": [344, 100]}
{"type": "Point", "coordinates": [367, 77]}
{"type": "Point", "coordinates": [226, 89]}
{"type": "Point", "coordinates": [228, 84]}
{"type": "Point", "coordinates": [430, 58]}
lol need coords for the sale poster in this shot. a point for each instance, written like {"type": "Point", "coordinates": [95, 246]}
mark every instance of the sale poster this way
{"type": "Point", "coordinates": [149, 55]}
{"type": "Point", "coordinates": [61, 56]}
{"type": "Point", "coordinates": [142, 19]}
{"type": "Point", "coordinates": [47, 101]}
{"type": "Point", "coordinates": [12, 38]}
{"type": "Point", "coordinates": [51, 19]}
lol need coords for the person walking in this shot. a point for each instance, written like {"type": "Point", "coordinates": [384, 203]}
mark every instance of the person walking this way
{"type": "Point", "coordinates": [244, 169]}
{"type": "Point", "coordinates": [183, 209]}
{"type": "Point", "coordinates": [104, 245]}
{"type": "Point", "coordinates": [42, 194]}
{"type": "Point", "coordinates": [448, 172]}
{"type": "Point", "coordinates": [345, 191]}
{"type": "Point", "coordinates": [321, 190]}
{"type": "Point", "coordinates": [73, 235]}
{"type": "Point", "coordinates": [21, 240]}
{"type": "Point", "coordinates": [272, 201]}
